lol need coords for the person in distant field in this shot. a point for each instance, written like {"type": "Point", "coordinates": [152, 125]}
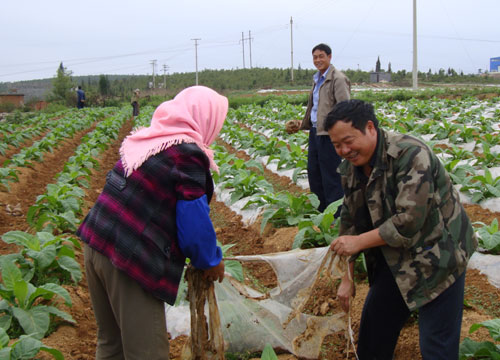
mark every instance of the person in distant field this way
{"type": "Point", "coordinates": [80, 98]}
{"type": "Point", "coordinates": [400, 208]}
{"type": "Point", "coordinates": [330, 86]}
{"type": "Point", "coordinates": [135, 102]}
{"type": "Point", "coordinates": [152, 214]}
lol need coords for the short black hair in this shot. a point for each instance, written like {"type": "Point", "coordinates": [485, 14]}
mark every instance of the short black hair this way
{"type": "Point", "coordinates": [323, 47]}
{"type": "Point", "coordinates": [79, 87]}
{"type": "Point", "coordinates": [355, 111]}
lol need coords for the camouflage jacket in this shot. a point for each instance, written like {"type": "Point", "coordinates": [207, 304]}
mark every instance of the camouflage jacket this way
{"type": "Point", "coordinates": [410, 198]}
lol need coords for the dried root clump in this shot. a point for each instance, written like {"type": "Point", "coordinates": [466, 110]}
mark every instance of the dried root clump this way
{"type": "Point", "coordinates": [292, 126]}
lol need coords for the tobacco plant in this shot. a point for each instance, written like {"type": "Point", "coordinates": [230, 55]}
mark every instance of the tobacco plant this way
{"type": "Point", "coordinates": [51, 257]}
{"type": "Point", "coordinates": [470, 349]}
{"type": "Point", "coordinates": [318, 230]}
{"type": "Point", "coordinates": [489, 237]}
{"type": "Point", "coordinates": [285, 209]}
{"type": "Point", "coordinates": [27, 308]}
{"type": "Point", "coordinates": [26, 347]}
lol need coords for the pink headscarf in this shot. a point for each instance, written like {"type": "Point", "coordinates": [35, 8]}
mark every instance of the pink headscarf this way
{"type": "Point", "coordinates": [195, 115]}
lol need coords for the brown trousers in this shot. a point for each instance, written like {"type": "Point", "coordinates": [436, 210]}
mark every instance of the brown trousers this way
{"type": "Point", "coordinates": [131, 322]}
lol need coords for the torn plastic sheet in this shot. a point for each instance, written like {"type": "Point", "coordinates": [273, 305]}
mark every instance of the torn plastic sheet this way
{"type": "Point", "coordinates": [251, 319]}
{"type": "Point", "coordinates": [488, 265]}
{"type": "Point", "coordinates": [249, 215]}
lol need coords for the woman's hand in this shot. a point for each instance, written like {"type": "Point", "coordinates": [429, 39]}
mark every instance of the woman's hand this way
{"type": "Point", "coordinates": [214, 273]}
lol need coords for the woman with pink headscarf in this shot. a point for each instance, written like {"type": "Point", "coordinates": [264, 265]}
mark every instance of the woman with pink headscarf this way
{"type": "Point", "coordinates": [153, 213]}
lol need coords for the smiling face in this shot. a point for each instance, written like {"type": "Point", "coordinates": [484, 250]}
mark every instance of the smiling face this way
{"type": "Point", "coordinates": [352, 145]}
{"type": "Point", "coordinates": [321, 60]}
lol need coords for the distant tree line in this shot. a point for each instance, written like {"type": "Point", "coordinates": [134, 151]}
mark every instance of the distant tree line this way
{"type": "Point", "coordinates": [115, 89]}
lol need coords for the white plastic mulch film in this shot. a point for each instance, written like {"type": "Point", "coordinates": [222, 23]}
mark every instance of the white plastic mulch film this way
{"type": "Point", "coordinates": [251, 319]}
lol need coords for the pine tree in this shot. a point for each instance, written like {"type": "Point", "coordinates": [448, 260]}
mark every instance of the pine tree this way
{"type": "Point", "coordinates": [62, 84]}
{"type": "Point", "coordinates": [377, 66]}
{"type": "Point", "coordinates": [104, 86]}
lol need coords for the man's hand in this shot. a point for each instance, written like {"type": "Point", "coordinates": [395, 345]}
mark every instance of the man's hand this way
{"type": "Point", "coordinates": [346, 245]}
{"type": "Point", "coordinates": [345, 291]}
{"type": "Point", "coordinates": [214, 273]}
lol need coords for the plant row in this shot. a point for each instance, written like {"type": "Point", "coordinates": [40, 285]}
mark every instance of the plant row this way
{"type": "Point", "coordinates": [279, 209]}
{"type": "Point", "coordinates": [66, 128]}
{"type": "Point", "coordinates": [31, 286]}
{"type": "Point", "coordinates": [476, 183]}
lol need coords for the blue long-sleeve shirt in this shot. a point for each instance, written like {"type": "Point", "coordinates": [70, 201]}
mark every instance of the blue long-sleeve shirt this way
{"type": "Point", "coordinates": [196, 233]}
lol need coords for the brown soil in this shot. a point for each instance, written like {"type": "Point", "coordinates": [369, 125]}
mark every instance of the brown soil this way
{"type": "Point", "coordinates": [78, 341]}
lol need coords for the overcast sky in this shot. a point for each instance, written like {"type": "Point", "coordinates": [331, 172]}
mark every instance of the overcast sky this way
{"type": "Point", "coordinates": [95, 37]}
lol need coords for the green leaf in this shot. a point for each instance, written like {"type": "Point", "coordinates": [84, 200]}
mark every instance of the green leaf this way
{"type": "Point", "coordinates": [34, 321]}
{"type": "Point", "coordinates": [493, 190]}
{"type": "Point", "coordinates": [5, 353]}
{"type": "Point", "coordinates": [44, 257]}
{"type": "Point", "coordinates": [59, 290]}
{"type": "Point", "coordinates": [66, 250]}
{"type": "Point", "coordinates": [4, 338]}
{"type": "Point", "coordinates": [46, 238]}
{"type": "Point", "coordinates": [477, 197]}
{"type": "Point", "coordinates": [313, 198]}
{"type": "Point", "coordinates": [469, 348]}
{"type": "Point", "coordinates": [54, 352]}
{"type": "Point", "coordinates": [226, 247]}
{"type": "Point", "coordinates": [235, 269]}
{"type": "Point", "coordinates": [332, 208]}
{"type": "Point", "coordinates": [71, 265]}
{"type": "Point", "coordinates": [22, 238]}
{"type": "Point", "coordinates": [266, 215]}
{"type": "Point", "coordinates": [493, 327]}
{"type": "Point", "coordinates": [25, 348]}
{"type": "Point", "coordinates": [5, 321]}
{"type": "Point", "coordinates": [21, 292]}
{"type": "Point", "coordinates": [326, 222]}
{"type": "Point", "coordinates": [299, 238]}
{"type": "Point", "coordinates": [10, 275]}
{"type": "Point", "coordinates": [268, 353]}
{"type": "Point", "coordinates": [4, 305]}
{"type": "Point", "coordinates": [62, 314]}
{"type": "Point", "coordinates": [493, 228]}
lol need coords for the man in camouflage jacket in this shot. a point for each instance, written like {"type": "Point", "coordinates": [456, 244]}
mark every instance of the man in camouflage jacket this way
{"type": "Point", "coordinates": [401, 209]}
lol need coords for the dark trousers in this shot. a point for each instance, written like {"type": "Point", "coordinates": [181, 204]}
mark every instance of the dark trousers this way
{"type": "Point", "coordinates": [135, 108]}
{"type": "Point", "coordinates": [385, 313]}
{"type": "Point", "coordinates": [322, 163]}
{"type": "Point", "coordinates": [131, 322]}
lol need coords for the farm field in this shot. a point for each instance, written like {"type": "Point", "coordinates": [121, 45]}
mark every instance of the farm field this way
{"type": "Point", "coordinates": [465, 132]}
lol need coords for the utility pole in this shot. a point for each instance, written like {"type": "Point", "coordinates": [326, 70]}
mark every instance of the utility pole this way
{"type": "Point", "coordinates": [165, 69]}
{"type": "Point", "coordinates": [196, 56]}
{"type": "Point", "coordinates": [291, 45]}
{"type": "Point", "coordinates": [153, 62]}
{"type": "Point", "coordinates": [249, 38]}
{"type": "Point", "coordinates": [243, 47]}
{"type": "Point", "coordinates": [250, 46]}
{"type": "Point", "coordinates": [415, 67]}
